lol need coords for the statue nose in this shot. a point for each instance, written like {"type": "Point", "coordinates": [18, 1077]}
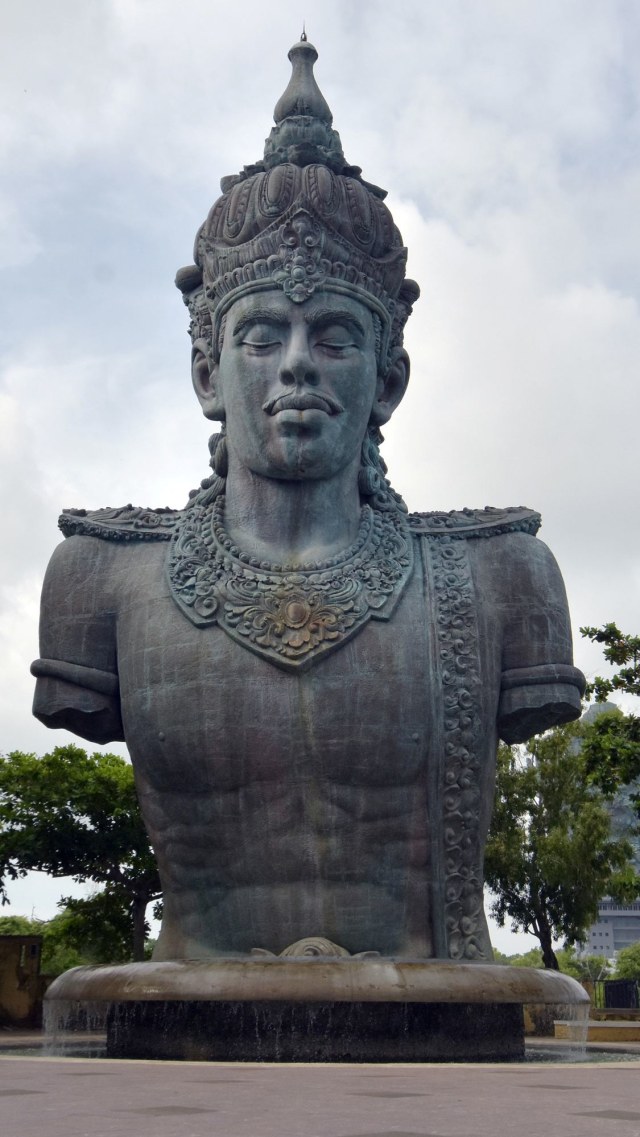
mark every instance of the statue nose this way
{"type": "Point", "coordinates": [297, 365]}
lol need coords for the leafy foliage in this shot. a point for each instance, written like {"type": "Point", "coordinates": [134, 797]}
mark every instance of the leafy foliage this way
{"type": "Point", "coordinates": [98, 927]}
{"type": "Point", "coordinates": [580, 967]}
{"type": "Point", "coordinates": [95, 930]}
{"type": "Point", "coordinates": [550, 855]}
{"type": "Point", "coordinates": [621, 651]}
{"type": "Point", "coordinates": [57, 954]}
{"type": "Point", "coordinates": [592, 967]}
{"type": "Point", "coordinates": [73, 814]}
{"type": "Point", "coordinates": [612, 751]}
{"type": "Point", "coordinates": [612, 741]}
{"type": "Point", "coordinates": [628, 963]}
{"type": "Point", "coordinates": [20, 926]}
{"type": "Point", "coordinates": [532, 958]}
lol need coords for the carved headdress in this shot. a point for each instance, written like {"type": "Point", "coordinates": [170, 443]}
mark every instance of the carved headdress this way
{"type": "Point", "coordinates": [301, 219]}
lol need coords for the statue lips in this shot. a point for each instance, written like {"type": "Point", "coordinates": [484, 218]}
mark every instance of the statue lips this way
{"type": "Point", "coordinates": [303, 401]}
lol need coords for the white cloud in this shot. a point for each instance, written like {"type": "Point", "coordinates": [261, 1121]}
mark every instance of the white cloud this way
{"type": "Point", "coordinates": [18, 244]}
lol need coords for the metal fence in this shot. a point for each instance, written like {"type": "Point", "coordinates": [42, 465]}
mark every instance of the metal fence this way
{"type": "Point", "coordinates": [616, 994]}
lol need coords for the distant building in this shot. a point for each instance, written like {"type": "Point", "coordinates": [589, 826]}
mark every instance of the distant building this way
{"type": "Point", "coordinates": [617, 927]}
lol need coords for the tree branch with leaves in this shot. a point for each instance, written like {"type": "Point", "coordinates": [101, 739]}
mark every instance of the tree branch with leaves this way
{"type": "Point", "coordinates": [611, 743]}
{"type": "Point", "coordinates": [550, 855]}
{"type": "Point", "coordinates": [71, 814]}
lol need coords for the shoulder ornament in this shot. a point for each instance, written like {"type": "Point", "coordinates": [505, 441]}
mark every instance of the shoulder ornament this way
{"type": "Point", "coordinates": [127, 523]}
{"type": "Point", "coordinates": [487, 522]}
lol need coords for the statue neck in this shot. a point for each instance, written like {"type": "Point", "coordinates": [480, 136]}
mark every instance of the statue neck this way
{"type": "Point", "coordinates": [292, 521]}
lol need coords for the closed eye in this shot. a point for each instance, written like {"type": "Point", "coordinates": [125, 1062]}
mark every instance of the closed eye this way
{"type": "Point", "coordinates": [260, 345]}
{"type": "Point", "coordinates": [259, 330]}
{"type": "Point", "coordinates": [262, 337]}
{"type": "Point", "coordinates": [336, 339]}
{"type": "Point", "coordinates": [335, 347]}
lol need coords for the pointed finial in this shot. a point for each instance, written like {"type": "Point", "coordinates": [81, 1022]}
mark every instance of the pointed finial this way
{"type": "Point", "coordinates": [303, 96]}
{"type": "Point", "coordinates": [303, 37]}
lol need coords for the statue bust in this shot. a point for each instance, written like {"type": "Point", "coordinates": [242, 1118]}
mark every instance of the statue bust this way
{"type": "Point", "coordinates": [310, 680]}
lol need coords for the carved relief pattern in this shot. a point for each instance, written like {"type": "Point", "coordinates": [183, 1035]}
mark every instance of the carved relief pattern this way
{"type": "Point", "coordinates": [487, 522]}
{"type": "Point", "coordinates": [133, 523]}
{"type": "Point", "coordinates": [127, 523]}
{"type": "Point", "coordinates": [291, 614]}
{"type": "Point", "coordinates": [313, 947]}
{"type": "Point", "coordinates": [457, 647]}
{"type": "Point", "coordinates": [300, 271]}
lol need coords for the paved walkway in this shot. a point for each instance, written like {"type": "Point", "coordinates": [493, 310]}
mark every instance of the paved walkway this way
{"type": "Point", "coordinates": [74, 1097]}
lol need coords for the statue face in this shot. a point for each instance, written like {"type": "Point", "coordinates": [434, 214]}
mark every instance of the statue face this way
{"type": "Point", "coordinates": [296, 383]}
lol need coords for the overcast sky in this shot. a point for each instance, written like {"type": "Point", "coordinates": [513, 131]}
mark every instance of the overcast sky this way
{"type": "Point", "coordinates": [507, 134]}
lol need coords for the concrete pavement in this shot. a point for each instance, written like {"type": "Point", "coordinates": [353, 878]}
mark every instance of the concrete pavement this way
{"type": "Point", "coordinates": [67, 1097]}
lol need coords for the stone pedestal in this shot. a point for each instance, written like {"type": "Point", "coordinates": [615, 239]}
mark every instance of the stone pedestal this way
{"type": "Point", "coordinates": [316, 1032]}
{"type": "Point", "coordinates": [312, 1010]}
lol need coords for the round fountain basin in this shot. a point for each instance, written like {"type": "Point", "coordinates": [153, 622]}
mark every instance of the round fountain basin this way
{"type": "Point", "coordinates": [313, 1009]}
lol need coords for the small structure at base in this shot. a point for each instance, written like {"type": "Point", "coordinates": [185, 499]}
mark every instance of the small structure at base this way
{"type": "Point", "coordinates": [21, 985]}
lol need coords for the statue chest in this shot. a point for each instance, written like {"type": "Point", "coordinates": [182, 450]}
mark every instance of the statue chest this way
{"type": "Point", "coordinates": [202, 711]}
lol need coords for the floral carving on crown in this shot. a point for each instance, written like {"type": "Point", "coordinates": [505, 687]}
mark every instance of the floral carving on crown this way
{"type": "Point", "coordinates": [297, 268]}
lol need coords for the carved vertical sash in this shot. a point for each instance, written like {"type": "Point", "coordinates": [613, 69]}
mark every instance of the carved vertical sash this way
{"type": "Point", "coordinates": [455, 775]}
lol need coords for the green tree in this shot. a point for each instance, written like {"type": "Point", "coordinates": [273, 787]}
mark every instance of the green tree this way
{"type": "Point", "coordinates": [532, 958]}
{"type": "Point", "coordinates": [500, 957]}
{"type": "Point", "coordinates": [628, 963]}
{"type": "Point", "coordinates": [57, 954]}
{"type": "Point", "coordinates": [94, 930]}
{"type": "Point", "coordinates": [580, 967]}
{"type": "Point", "coordinates": [550, 855]}
{"type": "Point", "coordinates": [611, 743]}
{"type": "Point", "coordinates": [620, 650]}
{"type": "Point", "coordinates": [591, 967]}
{"type": "Point", "coordinates": [20, 926]}
{"type": "Point", "coordinates": [69, 813]}
{"type": "Point", "coordinates": [98, 927]}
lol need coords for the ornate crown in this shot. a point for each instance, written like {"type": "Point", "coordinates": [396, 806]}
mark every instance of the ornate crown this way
{"type": "Point", "coordinates": [302, 219]}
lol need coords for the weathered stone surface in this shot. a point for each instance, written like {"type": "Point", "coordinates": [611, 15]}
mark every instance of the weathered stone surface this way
{"type": "Point", "coordinates": [306, 979]}
{"type": "Point", "coordinates": [310, 681]}
{"type": "Point", "coordinates": [313, 1009]}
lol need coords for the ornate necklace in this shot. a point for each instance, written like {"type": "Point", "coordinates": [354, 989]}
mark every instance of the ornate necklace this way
{"type": "Point", "coordinates": [291, 615]}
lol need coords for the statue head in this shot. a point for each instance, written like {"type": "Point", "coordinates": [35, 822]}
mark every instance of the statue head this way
{"type": "Point", "coordinates": [301, 224]}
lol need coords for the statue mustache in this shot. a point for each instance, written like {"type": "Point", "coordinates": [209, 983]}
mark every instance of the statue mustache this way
{"type": "Point", "coordinates": [303, 401]}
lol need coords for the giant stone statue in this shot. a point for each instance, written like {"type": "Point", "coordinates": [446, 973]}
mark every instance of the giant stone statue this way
{"type": "Point", "coordinates": [311, 681]}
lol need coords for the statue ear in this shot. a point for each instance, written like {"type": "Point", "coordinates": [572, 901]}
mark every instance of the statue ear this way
{"type": "Point", "coordinates": [391, 387]}
{"type": "Point", "coordinates": [204, 375]}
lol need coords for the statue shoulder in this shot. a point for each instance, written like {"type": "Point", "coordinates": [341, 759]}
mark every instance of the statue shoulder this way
{"type": "Point", "coordinates": [516, 567]}
{"type": "Point", "coordinates": [126, 523]}
{"type": "Point", "coordinates": [466, 523]}
{"type": "Point", "coordinates": [519, 594]}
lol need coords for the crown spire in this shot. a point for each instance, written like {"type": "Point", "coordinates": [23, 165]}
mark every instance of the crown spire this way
{"type": "Point", "coordinates": [303, 134]}
{"type": "Point", "coordinates": [303, 95]}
